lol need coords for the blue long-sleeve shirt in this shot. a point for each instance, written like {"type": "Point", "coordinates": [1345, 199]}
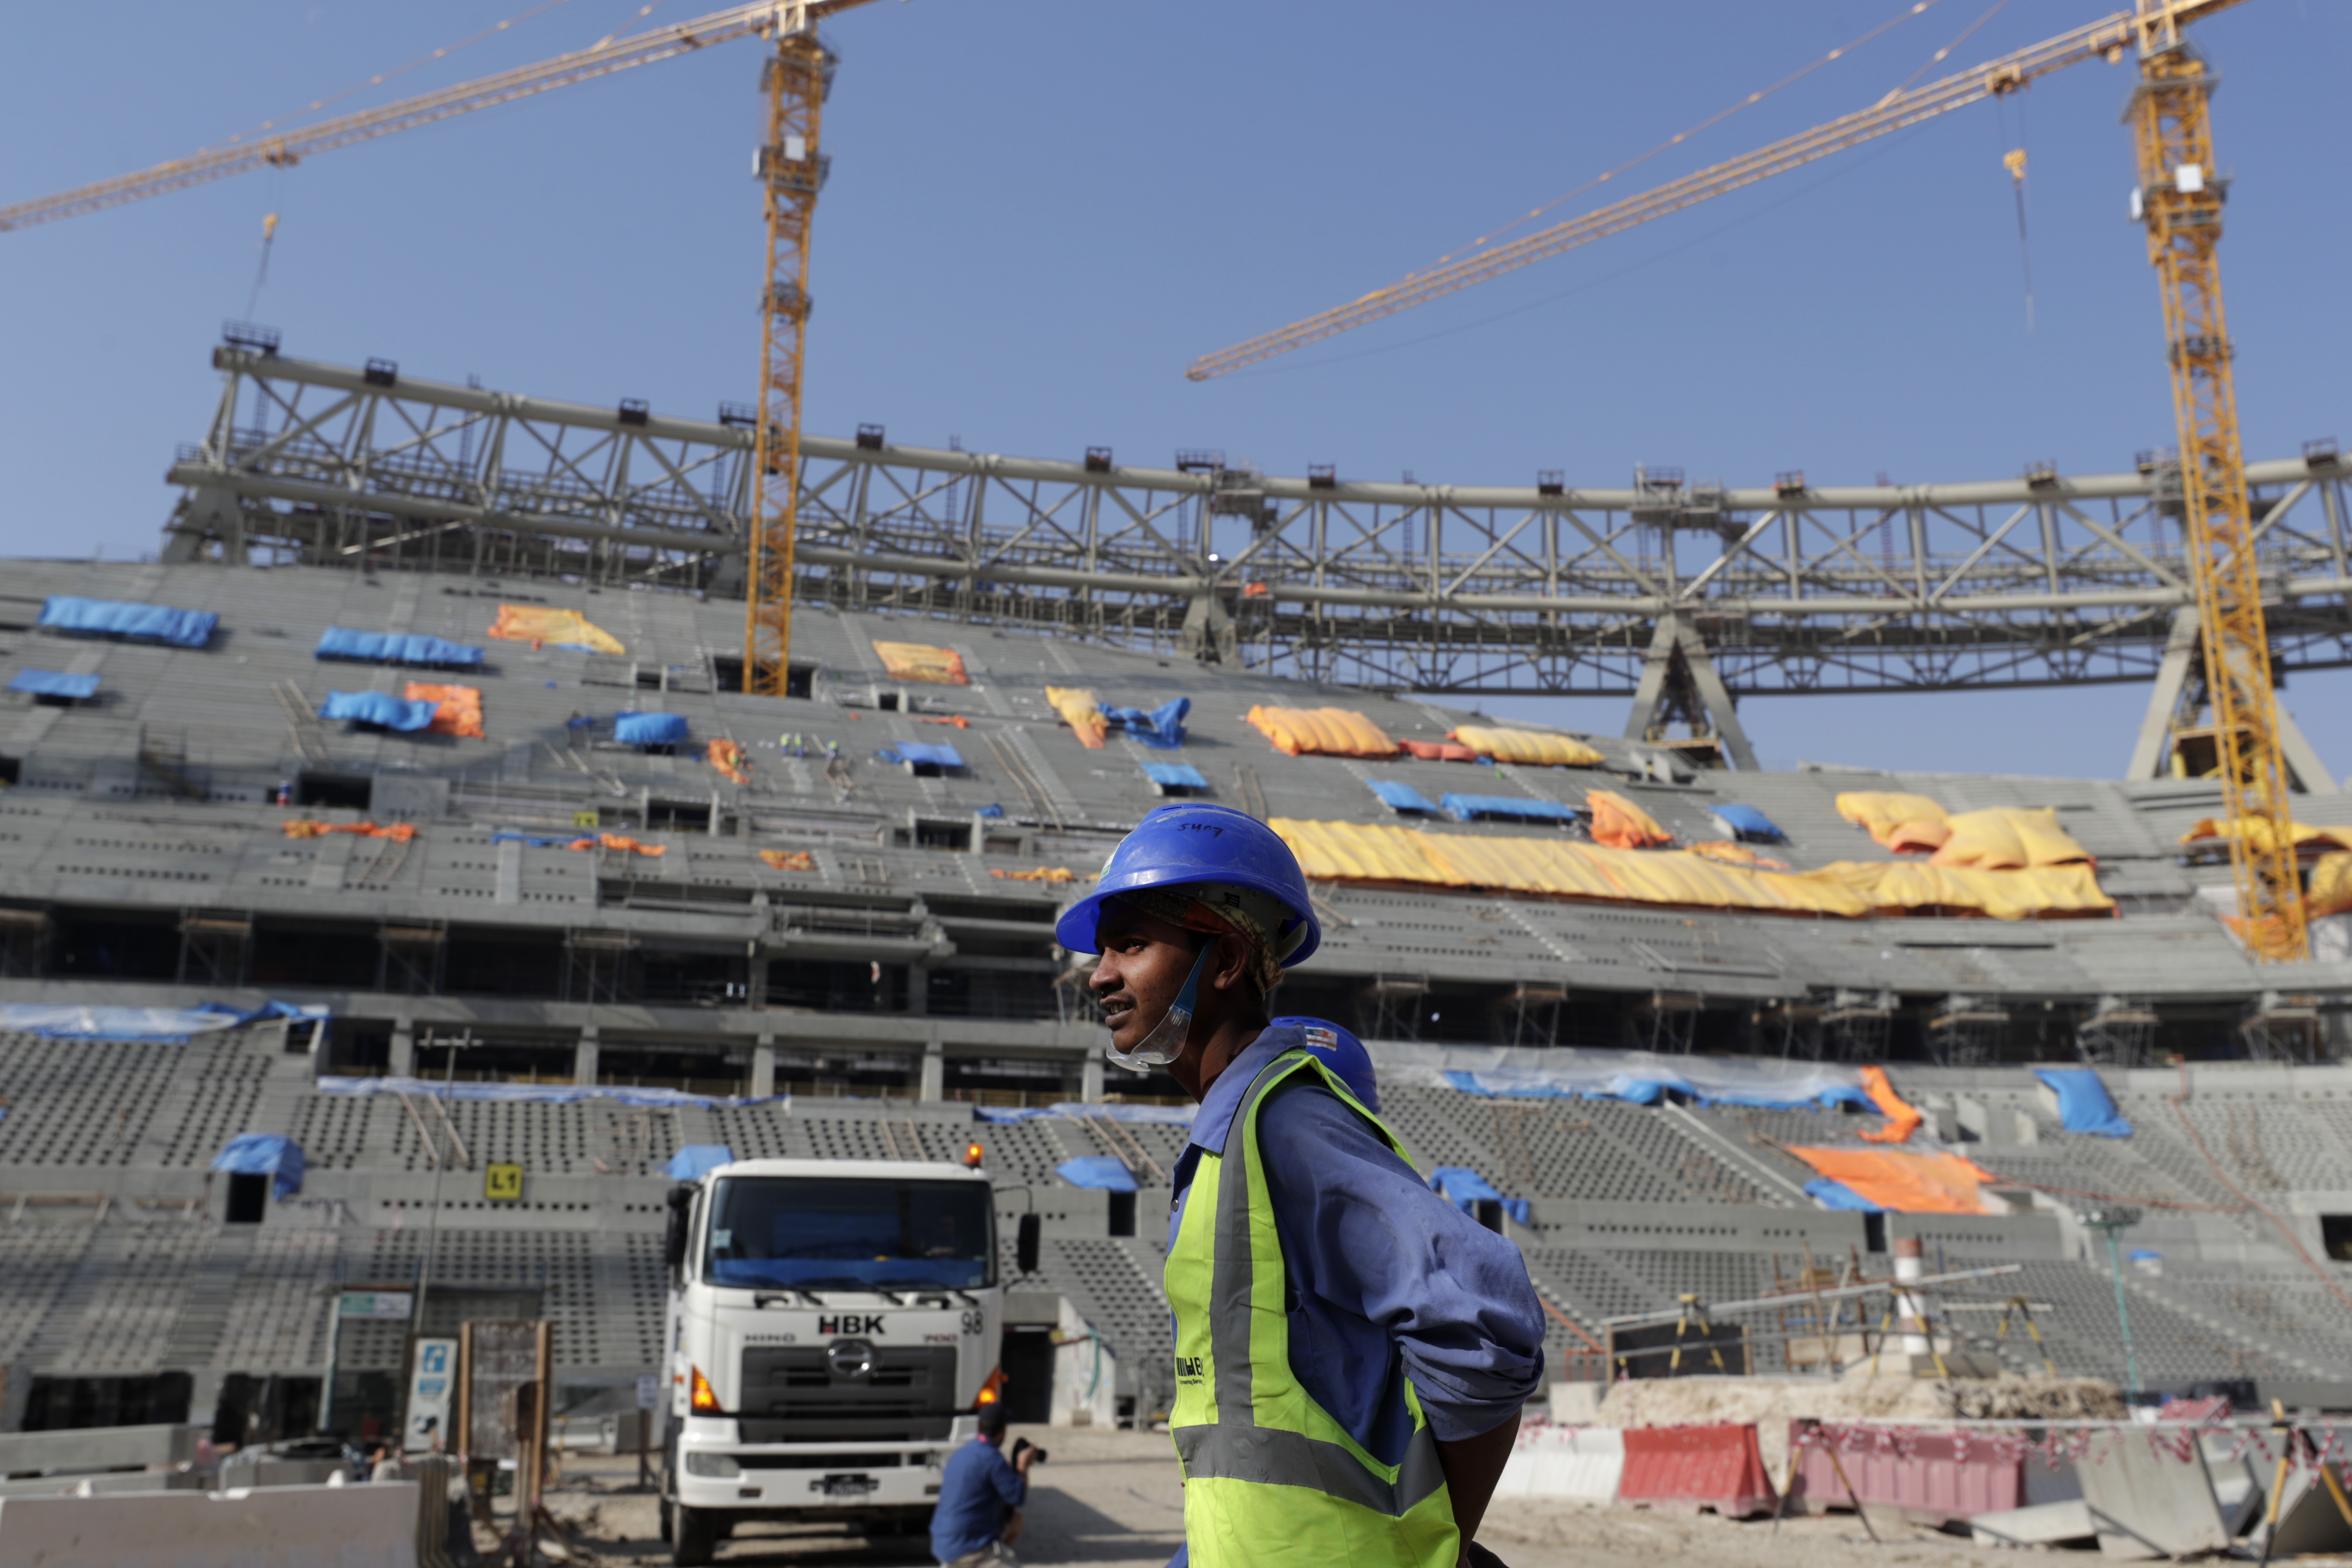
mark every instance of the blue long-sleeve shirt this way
{"type": "Point", "coordinates": [1388, 1275]}
{"type": "Point", "coordinates": [978, 1492]}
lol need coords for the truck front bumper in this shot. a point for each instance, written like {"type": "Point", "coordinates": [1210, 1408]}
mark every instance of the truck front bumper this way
{"type": "Point", "coordinates": [802, 1476]}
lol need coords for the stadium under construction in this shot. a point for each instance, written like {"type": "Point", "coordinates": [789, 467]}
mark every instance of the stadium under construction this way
{"type": "Point", "coordinates": [407, 812]}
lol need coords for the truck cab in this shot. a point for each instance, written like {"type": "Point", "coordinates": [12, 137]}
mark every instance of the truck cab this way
{"type": "Point", "coordinates": [833, 1332]}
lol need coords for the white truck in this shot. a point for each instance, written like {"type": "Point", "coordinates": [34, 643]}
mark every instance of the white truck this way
{"type": "Point", "coordinates": [833, 1332]}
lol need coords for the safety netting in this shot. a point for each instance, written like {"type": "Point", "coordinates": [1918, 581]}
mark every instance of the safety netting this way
{"type": "Point", "coordinates": [1380, 852]}
{"type": "Point", "coordinates": [1324, 731]}
{"type": "Point", "coordinates": [381, 708]}
{"type": "Point", "coordinates": [1530, 746]}
{"type": "Point", "coordinates": [539, 624]}
{"type": "Point", "coordinates": [141, 623]}
{"type": "Point", "coordinates": [395, 647]}
{"type": "Point", "coordinates": [68, 685]}
{"type": "Point", "coordinates": [1081, 713]}
{"type": "Point", "coordinates": [456, 710]}
{"type": "Point", "coordinates": [920, 661]}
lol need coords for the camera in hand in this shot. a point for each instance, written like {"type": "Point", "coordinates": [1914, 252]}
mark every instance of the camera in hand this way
{"type": "Point", "coordinates": [1021, 1444]}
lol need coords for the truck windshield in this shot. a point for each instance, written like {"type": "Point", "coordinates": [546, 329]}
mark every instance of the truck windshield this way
{"type": "Point", "coordinates": [848, 1233]}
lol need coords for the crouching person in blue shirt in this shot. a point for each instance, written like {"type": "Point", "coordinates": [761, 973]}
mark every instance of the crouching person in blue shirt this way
{"type": "Point", "coordinates": [1351, 1351]}
{"type": "Point", "coordinates": [979, 1513]}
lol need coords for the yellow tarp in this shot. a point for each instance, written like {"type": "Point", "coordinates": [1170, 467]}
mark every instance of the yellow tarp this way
{"type": "Point", "coordinates": [920, 661]}
{"type": "Point", "coordinates": [1901, 1180]}
{"type": "Point", "coordinates": [459, 709]}
{"type": "Point", "coordinates": [2330, 893]}
{"type": "Point", "coordinates": [1881, 812]}
{"type": "Point", "coordinates": [1528, 746]}
{"type": "Point", "coordinates": [1081, 713]}
{"type": "Point", "coordinates": [1041, 874]}
{"type": "Point", "coordinates": [1377, 852]}
{"type": "Point", "coordinates": [2008, 836]}
{"type": "Point", "coordinates": [2260, 834]}
{"type": "Point", "coordinates": [1902, 1119]}
{"type": "Point", "coordinates": [1330, 731]}
{"type": "Point", "coordinates": [537, 623]}
{"type": "Point", "coordinates": [1620, 823]}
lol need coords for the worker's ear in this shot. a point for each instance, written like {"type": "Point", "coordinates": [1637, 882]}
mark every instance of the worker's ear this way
{"type": "Point", "coordinates": [1233, 961]}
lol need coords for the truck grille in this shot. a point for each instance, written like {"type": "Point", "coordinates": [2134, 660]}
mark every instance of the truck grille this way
{"type": "Point", "coordinates": [792, 1393]}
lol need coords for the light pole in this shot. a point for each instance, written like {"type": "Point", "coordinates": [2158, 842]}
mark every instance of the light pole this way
{"type": "Point", "coordinates": [2112, 1220]}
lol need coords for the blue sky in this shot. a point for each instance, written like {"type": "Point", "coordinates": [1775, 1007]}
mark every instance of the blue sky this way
{"type": "Point", "coordinates": [1041, 210]}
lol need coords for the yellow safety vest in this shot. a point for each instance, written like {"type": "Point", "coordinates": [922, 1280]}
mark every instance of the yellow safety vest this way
{"type": "Point", "coordinates": [1270, 1479]}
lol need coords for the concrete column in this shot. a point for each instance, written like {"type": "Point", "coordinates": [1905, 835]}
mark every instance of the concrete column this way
{"type": "Point", "coordinates": [1910, 1307]}
{"type": "Point", "coordinates": [404, 1048]}
{"type": "Point", "coordinates": [583, 1056]}
{"type": "Point", "coordinates": [763, 1067]}
{"type": "Point", "coordinates": [935, 1070]}
{"type": "Point", "coordinates": [1090, 1078]}
{"type": "Point", "coordinates": [918, 989]}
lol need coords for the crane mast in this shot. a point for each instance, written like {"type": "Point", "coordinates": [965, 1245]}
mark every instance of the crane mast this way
{"type": "Point", "coordinates": [2179, 196]}
{"type": "Point", "coordinates": [792, 169]}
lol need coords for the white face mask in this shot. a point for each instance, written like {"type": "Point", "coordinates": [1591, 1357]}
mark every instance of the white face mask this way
{"type": "Point", "coordinates": [1166, 1041]}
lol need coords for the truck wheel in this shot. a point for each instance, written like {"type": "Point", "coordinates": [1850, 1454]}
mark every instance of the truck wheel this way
{"type": "Point", "coordinates": [695, 1542]}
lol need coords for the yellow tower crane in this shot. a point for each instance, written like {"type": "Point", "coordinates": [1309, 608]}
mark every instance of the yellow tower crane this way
{"type": "Point", "coordinates": [2179, 199]}
{"type": "Point", "coordinates": [793, 85]}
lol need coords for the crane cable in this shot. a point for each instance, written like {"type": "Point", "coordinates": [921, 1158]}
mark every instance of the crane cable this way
{"type": "Point", "coordinates": [1679, 137]}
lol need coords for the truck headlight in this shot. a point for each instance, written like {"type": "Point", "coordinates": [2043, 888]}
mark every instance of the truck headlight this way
{"type": "Point", "coordinates": [717, 1467]}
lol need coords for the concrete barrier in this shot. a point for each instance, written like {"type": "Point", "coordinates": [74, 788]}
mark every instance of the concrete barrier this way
{"type": "Point", "coordinates": [101, 1449]}
{"type": "Point", "coordinates": [1714, 1466]}
{"type": "Point", "coordinates": [2148, 1500]}
{"type": "Point", "coordinates": [370, 1526]}
{"type": "Point", "coordinates": [1582, 1462]}
{"type": "Point", "coordinates": [1933, 1476]}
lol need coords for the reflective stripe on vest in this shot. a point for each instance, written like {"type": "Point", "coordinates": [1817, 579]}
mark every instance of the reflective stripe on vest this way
{"type": "Point", "coordinates": [1242, 1424]}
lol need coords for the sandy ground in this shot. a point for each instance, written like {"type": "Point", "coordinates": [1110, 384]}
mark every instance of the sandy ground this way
{"type": "Point", "coordinates": [1111, 1499]}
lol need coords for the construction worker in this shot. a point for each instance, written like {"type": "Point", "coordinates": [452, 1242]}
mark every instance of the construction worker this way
{"type": "Point", "coordinates": [1351, 1351]}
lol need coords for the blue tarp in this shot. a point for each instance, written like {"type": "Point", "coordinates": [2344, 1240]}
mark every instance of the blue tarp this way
{"type": "Point", "coordinates": [1469, 807]}
{"type": "Point", "coordinates": [263, 1154]}
{"type": "Point", "coordinates": [1098, 1172]}
{"type": "Point", "coordinates": [394, 648]}
{"type": "Point", "coordinates": [1162, 728]}
{"type": "Point", "coordinates": [648, 729]}
{"type": "Point", "coordinates": [993, 813]}
{"type": "Point", "coordinates": [1836, 1194]}
{"type": "Point", "coordinates": [1747, 822]}
{"type": "Point", "coordinates": [1463, 1186]}
{"type": "Point", "coordinates": [1182, 775]}
{"type": "Point", "coordinates": [1642, 1078]}
{"type": "Point", "coordinates": [55, 683]}
{"type": "Point", "coordinates": [379, 708]}
{"type": "Point", "coordinates": [556, 841]}
{"type": "Point", "coordinates": [166, 1025]}
{"type": "Point", "coordinates": [939, 756]}
{"type": "Point", "coordinates": [1164, 1115]}
{"type": "Point", "coordinates": [2084, 1105]}
{"type": "Point", "coordinates": [149, 622]}
{"type": "Point", "coordinates": [537, 1093]}
{"type": "Point", "coordinates": [690, 1162]}
{"type": "Point", "coordinates": [1401, 796]}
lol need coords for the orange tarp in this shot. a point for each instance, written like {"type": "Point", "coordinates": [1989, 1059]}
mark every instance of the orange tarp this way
{"type": "Point", "coordinates": [1438, 751]}
{"type": "Point", "coordinates": [1901, 1180]}
{"type": "Point", "coordinates": [1620, 823]}
{"type": "Point", "coordinates": [615, 841]}
{"type": "Point", "coordinates": [1081, 713]}
{"type": "Point", "coordinates": [920, 661]}
{"type": "Point", "coordinates": [1881, 812]}
{"type": "Point", "coordinates": [1902, 1119]}
{"type": "Point", "coordinates": [1530, 746]}
{"type": "Point", "coordinates": [728, 758]}
{"type": "Point", "coordinates": [459, 710]}
{"type": "Point", "coordinates": [300, 828]}
{"type": "Point", "coordinates": [1041, 874]}
{"type": "Point", "coordinates": [1330, 731]}
{"type": "Point", "coordinates": [535, 625]}
{"type": "Point", "coordinates": [2007, 838]}
{"type": "Point", "coordinates": [788, 860]}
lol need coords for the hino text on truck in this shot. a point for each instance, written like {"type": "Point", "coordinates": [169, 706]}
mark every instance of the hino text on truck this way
{"type": "Point", "coordinates": [834, 1333]}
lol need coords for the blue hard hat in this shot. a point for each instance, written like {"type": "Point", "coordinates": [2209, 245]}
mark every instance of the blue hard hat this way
{"type": "Point", "coordinates": [1344, 1054]}
{"type": "Point", "coordinates": [1192, 841]}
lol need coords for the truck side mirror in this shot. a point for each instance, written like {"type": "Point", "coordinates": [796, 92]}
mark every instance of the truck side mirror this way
{"type": "Point", "coordinates": [1027, 1241]}
{"type": "Point", "coordinates": [681, 1204]}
